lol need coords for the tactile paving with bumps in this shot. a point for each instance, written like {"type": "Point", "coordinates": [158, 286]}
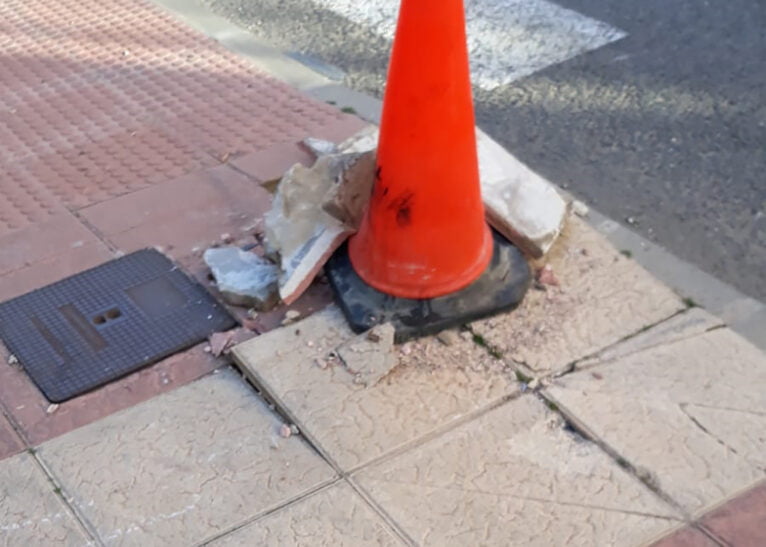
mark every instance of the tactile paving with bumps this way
{"type": "Point", "coordinates": [102, 97]}
{"type": "Point", "coordinates": [99, 325]}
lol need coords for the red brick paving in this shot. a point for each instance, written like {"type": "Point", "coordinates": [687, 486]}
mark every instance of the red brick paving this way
{"type": "Point", "coordinates": [118, 128]}
{"type": "Point", "coordinates": [103, 97]}
{"type": "Point", "coordinates": [742, 521]}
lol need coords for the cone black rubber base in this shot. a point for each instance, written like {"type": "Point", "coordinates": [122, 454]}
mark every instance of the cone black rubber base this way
{"type": "Point", "coordinates": [500, 288]}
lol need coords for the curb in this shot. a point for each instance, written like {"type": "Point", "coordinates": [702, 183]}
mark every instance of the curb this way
{"type": "Point", "coordinates": [745, 315]}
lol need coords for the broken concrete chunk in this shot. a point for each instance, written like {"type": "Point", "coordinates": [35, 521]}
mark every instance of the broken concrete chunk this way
{"type": "Point", "coordinates": [370, 356]}
{"type": "Point", "coordinates": [520, 204]}
{"type": "Point", "coordinates": [348, 198]}
{"type": "Point", "coordinates": [244, 278]}
{"type": "Point", "coordinates": [314, 211]}
{"type": "Point", "coordinates": [320, 147]}
{"type": "Point", "coordinates": [362, 141]}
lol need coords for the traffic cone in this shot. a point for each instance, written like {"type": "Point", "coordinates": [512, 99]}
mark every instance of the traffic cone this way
{"type": "Point", "coordinates": [424, 234]}
{"type": "Point", "coordinates": [424, 258]}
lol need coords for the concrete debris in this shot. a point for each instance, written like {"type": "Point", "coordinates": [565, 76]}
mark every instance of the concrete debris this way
{"type": "Point", "coordinates": [448, 337]}
{"type": "Point", "coordinates": [520, 204]}
{"type": "Point", "coordinates": [285, 431]}
{"type": "Point", "coordinates": [291, 317]}
{"type": "Point", "coordinates": [314, 210]}
{"type": "Point", "coordinates": [545, 276]}
{"type": "Point", "coordinates": [320, 147]}
{"type": "Point", "coordinates": [220, 342]}
{"type": "Point", "coordinates": [365, 140]}
{"type": "Point", "coordinates": [244, 278]}
{"type": "Point", "coordinates": [370, 356]}
{"type": "Point", "coordinates": [580, 209]}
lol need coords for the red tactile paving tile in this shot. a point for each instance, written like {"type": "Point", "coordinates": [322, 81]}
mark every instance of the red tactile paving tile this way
{"type": "Point", "coordinates": [10, 443]}
{"type": "Point", "coordinates": [184, 215]}
{"type": "Point", "coordinates": [742, 521]}
{"type": "Point", "coordinates": [39, 421]}
{"type": "Point", "coordinates": [686, 537]}
{"type": "Point", "coordinates": [103, 97]}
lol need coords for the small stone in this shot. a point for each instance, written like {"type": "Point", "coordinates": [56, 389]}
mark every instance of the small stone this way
{"type": "Point", "coordinates": [580, 209]}
{"type": "Point", "coordinates": [321, 363]}
{"type": "Point", "coordinates": [252, 314]}
{"type": "Point", "coordinates": [372, 336]}
{"type": "Point", "coordinates": [294, 429]}
{"type": "Point", "coordinates": [632, 221]}
{"type": "Point", "coordinates": [220, 342]}
{"type": "Point", "coordinates": [545, 276]}
{"type": "Point", "coordinates": [285, 431]}
{"type": "Point", "coordinates": [534, 384]}
{"type": "Point", "coordinates": [207, 349]}
{"type": "Point", "coordinates": [226, 238]}
{"type": "Point", "coordinates": [310, 344]}
{"type": "Point", "coordinates": [291, 317]}
{"type": "Point", "coordinates": [51, 408]}
{"type": "Point", "coordinates": [406, 349]}
{"type": "Point", "coordinates": [13, 360]}
{"type": "Point", "coordinates": [448, 337]}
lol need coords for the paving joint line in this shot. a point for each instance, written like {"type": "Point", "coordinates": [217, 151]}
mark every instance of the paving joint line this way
{"type": "Point", "coordinates": [58, 489]}
{"type": "Point", "coordinates": [313, 491]}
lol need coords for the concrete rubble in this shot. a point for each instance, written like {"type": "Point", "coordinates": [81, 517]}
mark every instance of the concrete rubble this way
{"type": "Point", "coordinates": [370, 356]}
{"type": "Point", "coordinates": [314, 210]}
{"type": "Point", "coordinates": [243, 278]}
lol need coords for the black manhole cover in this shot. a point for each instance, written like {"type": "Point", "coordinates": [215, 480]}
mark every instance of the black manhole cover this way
{"type": "Point", "coordinates": [99, 325]}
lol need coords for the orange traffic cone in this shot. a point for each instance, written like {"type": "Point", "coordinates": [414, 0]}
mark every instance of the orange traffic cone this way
{"type": "Point", "coordinates": [424, 258]}
{"type": "Point", "coordinates": [424, 234]}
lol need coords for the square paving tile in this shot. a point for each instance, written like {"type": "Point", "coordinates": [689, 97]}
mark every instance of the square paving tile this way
{"type": "Point", "coordinates": [602, 298]}
{"type": "Point", "coordinates": [514, 476]}
{"type": "Point", "coordinates": [334, 516]}
{"type": "Point", "coordinates": [40, 421]}
{"type": "Point", "coordinates": [10, 442]}
{"type": "Point", "coordinates": [742, 521]}
{"type": "Point", "coordinates": [691, 413]}
{"type": "Point", "coordinates": [184, 215]}
{"type": "Point", "coordinates": [433, 386]}
{"type": "Point", "coordinates": [183, 467]}
{"type": "Point", "coordinates": [31, 512]}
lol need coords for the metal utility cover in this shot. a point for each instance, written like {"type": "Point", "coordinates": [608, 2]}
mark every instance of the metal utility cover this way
{"type": "Point", "coordinates": [99, 325]}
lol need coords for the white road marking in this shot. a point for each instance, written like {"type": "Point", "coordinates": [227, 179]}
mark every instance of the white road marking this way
{"type": "Point", "coordinates": [507, 39]}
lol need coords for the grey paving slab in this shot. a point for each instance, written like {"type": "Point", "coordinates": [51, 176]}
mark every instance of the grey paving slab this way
{"type": "Point", "coordinates": [691, 413]}
{"type": "Point", "coordinates": [515, 476]}
{"type": "Point", "coordinates": [184, 466]}
{"type": "Point", "coordinates": [334, 516]}
{"type": "Point", "coordinates": [602, 298]}
{"type": "Point", "coordinates": [31, 512]}
{"type": "Point", "coordinates": [432, 386]}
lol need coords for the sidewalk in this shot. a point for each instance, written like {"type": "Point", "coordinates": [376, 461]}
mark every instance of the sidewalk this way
{"type": "Point", "coordinates": [604, 411]}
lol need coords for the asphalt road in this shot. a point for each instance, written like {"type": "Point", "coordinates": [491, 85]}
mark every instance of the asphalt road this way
{"type": "Point", "coordinates": [663, 129]}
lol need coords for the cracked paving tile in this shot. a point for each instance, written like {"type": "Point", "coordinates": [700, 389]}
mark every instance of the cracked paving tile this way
{"type": "Point", "coordinates": [183, 466]}
{"type": "Point", "coordinates": [432, 386]}
{"type": "Point", "coordinates": [31, 511]}
{"type": "Point", "coordinates": [334, 516]}
{"type": "Point", "coordinates": [515, 476]}
{"type": "Point", "coordinates": [692, 413]}
{"type": "Point", "coordinates": [602, 298]}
